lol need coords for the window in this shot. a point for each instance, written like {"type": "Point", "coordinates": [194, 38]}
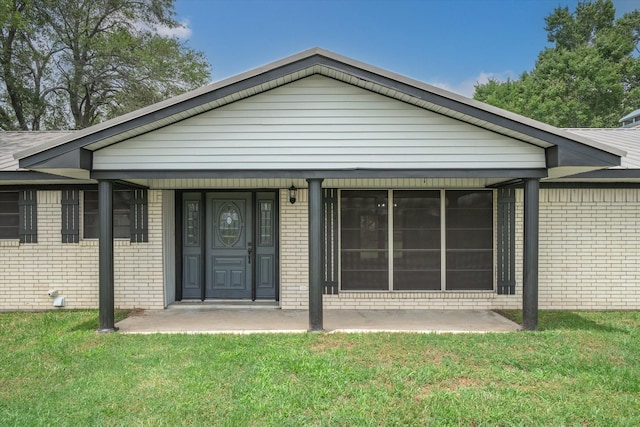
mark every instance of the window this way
{"type": "Point", "coordinates": [431, 230]}
{"type": "Point", "coordinates": [416, 240]}
{"type": "Point", "coordinates": [364, 236]}
{"type": "Point", "coordinates": [469, 222]}
{"type": "Point", "coordinates": [18, 215]}
{"type": "Point", "coordinates": [9, 215]}
{"type": "Point", "coordinates": [129, 215]}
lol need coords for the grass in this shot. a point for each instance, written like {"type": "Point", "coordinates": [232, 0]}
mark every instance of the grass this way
{"type": "Point", "coordinates": [582, 368]}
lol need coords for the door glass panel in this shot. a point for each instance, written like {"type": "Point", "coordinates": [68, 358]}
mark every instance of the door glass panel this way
{"type": "Point", "coordinates": [266, 223]}
{"type": "Point", "coordinates": [192, 237]}
{"type": "Point", "coordinates": [229, 224]}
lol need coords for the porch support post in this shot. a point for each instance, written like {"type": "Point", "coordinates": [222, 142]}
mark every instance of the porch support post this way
{"type": "Point", "coordinates": [315, 255]}
{"type": "Point", "coordinates": [105, 252]}
{"type": "Point", "coordinates": [530, 262]}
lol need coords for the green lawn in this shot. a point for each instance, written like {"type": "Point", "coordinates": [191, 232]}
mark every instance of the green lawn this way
{"type": "Point", "coordinates": [583, 368]}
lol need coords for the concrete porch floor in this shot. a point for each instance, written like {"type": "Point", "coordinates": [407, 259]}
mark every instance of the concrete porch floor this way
{"type": "Point", "coordinates": [246, 319]}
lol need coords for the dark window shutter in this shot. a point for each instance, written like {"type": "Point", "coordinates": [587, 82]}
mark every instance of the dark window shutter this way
{"type": "Point", "coordinates": [330, 240]}
{"type": "Point", "coordinates": [70, 216]}
{"type": "Point", "coordinates": [506, 241]}
{"type": "Point", "coordinates": [28, 207]}
{"type": "Point", "coordinates": [139, 216]}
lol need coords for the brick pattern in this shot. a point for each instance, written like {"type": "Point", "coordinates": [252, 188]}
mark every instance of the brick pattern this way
{"type": "Point", "coordinates": [589, 259]}
{"type": "Point", "coordinates": [28, 271]}
{"type": "Point", "coordinates": [294, 251]}
{"type": "Point", "coordinates": [589, 249]}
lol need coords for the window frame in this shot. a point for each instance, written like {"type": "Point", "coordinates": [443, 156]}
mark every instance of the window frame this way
{"type": "Point", "coordinates": [130, 215]}
{"type": "Point", "coordinates": [26, 227]}
{"type": "Point", "coordinates": [14, 229]}
{"type": "Point", "coordinates": [443, 243]}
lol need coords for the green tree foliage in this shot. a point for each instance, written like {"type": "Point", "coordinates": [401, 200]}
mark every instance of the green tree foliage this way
{"type": "Point", "coordinates": [590, 77]}
{"type": "Point", "coordinates": [69, 64]}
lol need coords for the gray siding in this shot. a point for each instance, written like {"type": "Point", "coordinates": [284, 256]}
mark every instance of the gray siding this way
{"type": "Point", "coordinates": [319, 123]}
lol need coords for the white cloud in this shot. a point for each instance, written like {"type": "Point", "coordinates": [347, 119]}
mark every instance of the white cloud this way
{"type": "Point", "coordinates": [467, 87]}
{"type": "Point", "coordinates": [181, 32]}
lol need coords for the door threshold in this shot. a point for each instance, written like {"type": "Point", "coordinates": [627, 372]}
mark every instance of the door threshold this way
{"type": "Point", "coordinates": [229, 303]}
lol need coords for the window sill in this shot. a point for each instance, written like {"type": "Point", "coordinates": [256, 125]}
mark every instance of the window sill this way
{"type": "Point", "coordinates": [13, 243]}
{"type": "Point", "coordinates": [415, 291]}
{"type": "Point", "coordinates": [116, 242]}
{"type": "Point", "coordinates": [482, 294]}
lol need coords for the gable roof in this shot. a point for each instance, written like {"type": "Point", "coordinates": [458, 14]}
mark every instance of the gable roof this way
{"type": "Point", "coordinates": [568, 147]}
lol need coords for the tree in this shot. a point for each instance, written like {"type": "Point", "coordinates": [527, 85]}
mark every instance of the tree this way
{"type": "Point", "coordinates": [73, 63]}
{"type": "Point", "coordinates": [590, 77]}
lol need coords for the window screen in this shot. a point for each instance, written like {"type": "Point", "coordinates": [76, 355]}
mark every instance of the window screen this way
{"type": "Point", "coordinates": [416, 240]}
{"type": "Point", "coordinates": [469, 220]}
{"type": "Point", "coordinates": [9, 215]}
{"type": "Point", "coordinates": [364, 240]}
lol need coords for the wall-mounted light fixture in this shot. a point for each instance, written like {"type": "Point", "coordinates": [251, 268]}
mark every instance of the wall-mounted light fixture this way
{"type": "Point", "coordinates": [293, 194]}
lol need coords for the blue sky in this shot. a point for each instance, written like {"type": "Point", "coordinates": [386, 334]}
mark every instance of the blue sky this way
{"type": "Point", "coordinates": [449, 43]}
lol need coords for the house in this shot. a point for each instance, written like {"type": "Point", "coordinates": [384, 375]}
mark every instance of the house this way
{"type": "Point", "coordinates": [318, 181]}
{"type": "Point", "coordinates": [631, 120]}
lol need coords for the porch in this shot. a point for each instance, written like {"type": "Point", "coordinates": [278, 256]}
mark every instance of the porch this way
{"type": "Point", "coordinates": [204, 318]}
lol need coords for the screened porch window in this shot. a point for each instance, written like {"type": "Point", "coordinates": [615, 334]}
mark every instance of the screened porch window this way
{"type": "Point", "coordinates": [469, 222]}
{"type": "Point", "coordinates": [431, 230]}
{"type": "Point", "coordinates": [416, 240]}
{"type": "Point", "coordinates": [364, 236]}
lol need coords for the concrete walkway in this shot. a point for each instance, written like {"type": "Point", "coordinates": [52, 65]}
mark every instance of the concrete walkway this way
{"type": "Point", "coordinates": [212, 319]}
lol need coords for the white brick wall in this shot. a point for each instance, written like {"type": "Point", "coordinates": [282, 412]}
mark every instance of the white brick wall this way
{"type": "Point", "coordinates": [589, 259]}
{"type": "Point", "coordinates": [589, 249]}
{"type": "Point", "coordinates": [28, 271]}
{"type": "Point", "coordinates": [294, 251]}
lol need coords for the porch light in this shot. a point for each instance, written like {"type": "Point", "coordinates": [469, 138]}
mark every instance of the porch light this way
{"type": "Point", "coordinates": [293, 194]}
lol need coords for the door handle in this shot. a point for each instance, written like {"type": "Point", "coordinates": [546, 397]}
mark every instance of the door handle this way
{"type": "Point", "coordinates": [249, 249]}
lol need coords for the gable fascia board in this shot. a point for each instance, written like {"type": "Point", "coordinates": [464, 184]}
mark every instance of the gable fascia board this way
{"type": "Point", "coordinates": [79, 158]}
{"type": "Point", "coordinates": [559, 156]}
{"type": "Point", "coordinates": [604, 155]}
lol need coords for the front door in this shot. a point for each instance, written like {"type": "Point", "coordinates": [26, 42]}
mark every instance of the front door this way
{"type": "Point", "coordinates": [228, 246]}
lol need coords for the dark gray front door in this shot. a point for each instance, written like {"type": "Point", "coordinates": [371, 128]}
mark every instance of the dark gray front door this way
{"type": "Point", "coordinates": [229, 246]}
